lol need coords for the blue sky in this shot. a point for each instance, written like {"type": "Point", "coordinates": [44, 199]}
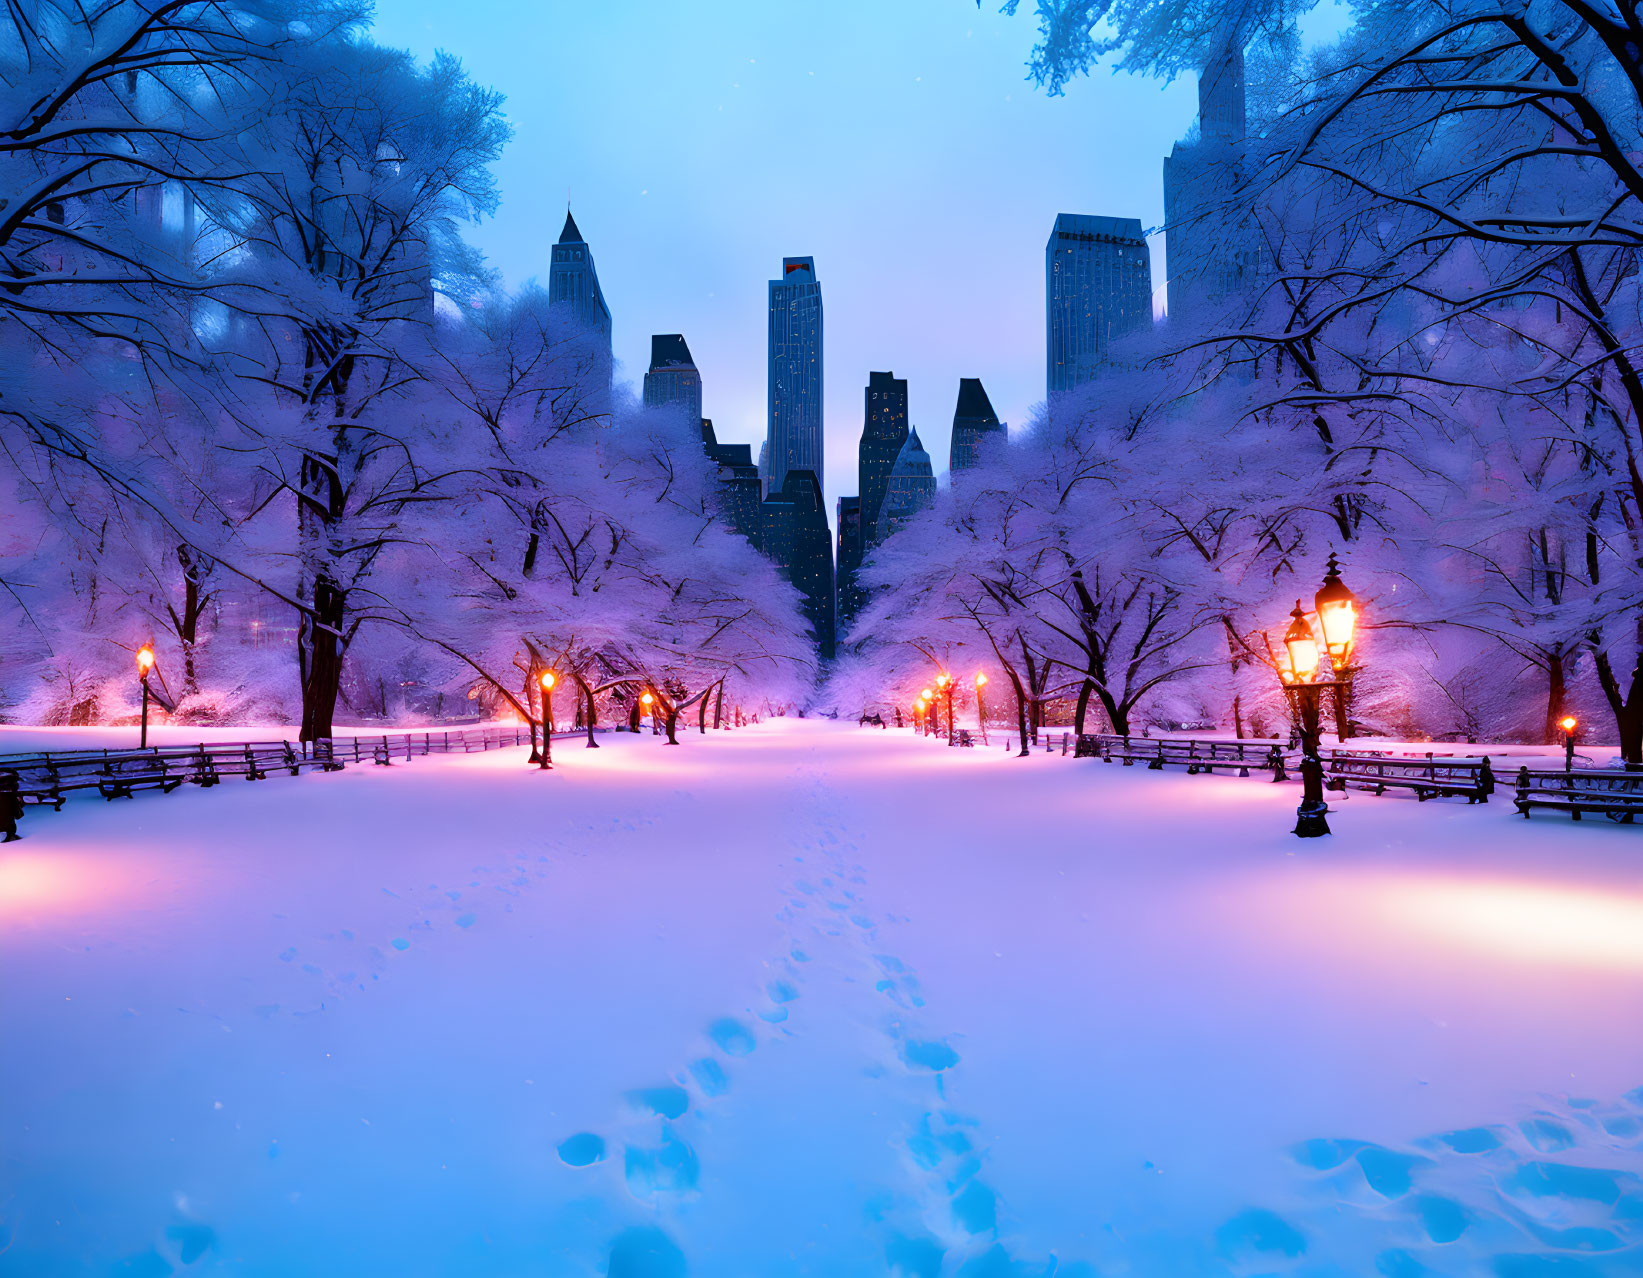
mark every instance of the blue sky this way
{"type": "Point", "coordinates": [895, 141]}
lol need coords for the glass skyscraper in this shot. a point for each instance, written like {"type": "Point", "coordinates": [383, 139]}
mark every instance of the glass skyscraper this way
{"type": "Point", "coordinates": [883, 432]}
{"type": "Point", "coordinates": [1208, 254]}
{"type": "Point", "coordinates": [795, 380]}
{"type": "Point", "coordinates": [1097, 287]}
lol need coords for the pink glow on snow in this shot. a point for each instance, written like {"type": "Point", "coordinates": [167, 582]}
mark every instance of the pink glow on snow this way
{"type": "Point", "coordinates": [35, 886]}
{"type": "Point", "coordinates": [1442, 918]}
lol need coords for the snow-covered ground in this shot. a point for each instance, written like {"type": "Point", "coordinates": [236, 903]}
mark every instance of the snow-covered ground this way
{"type": "Point", "coordinates": [814, 999]}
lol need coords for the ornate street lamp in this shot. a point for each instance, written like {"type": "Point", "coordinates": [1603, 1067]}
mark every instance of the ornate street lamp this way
{"type": "Point", "coordinates": [981, 713]}
{"type": "Point", "coordinates": [145, 663]}
{"type": "Point", "coordinates": [928, 696]}
{"type": "Point", "coordinates": [1306, 695]}
{"type": "Point", "coordinates": [944, 681]}
{"type": "Point", "coordinates": [1568, 723]}
{"type": "Point", "coordinates": [1338, 608]}
{"type": "Point", "coordinates": [548, 680]}
{"type": "Point", "coordinates": [1299, 666]}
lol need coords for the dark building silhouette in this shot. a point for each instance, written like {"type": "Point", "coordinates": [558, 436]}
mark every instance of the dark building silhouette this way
{"type": "Point", "coordinates": [883, 432]}
{"type": "Point", "coordinates": [850, 595]}
{"type": "Point", "coordinates": [973, 418]}
{"type": "Point", "coordinates": [739, 493]}
{"type": "Point", "coordinates": [1206, 239]}
{"type": "Point", "coordinates": [673, 377]}
{"type": "Point", "coordinates": [796, 537]}
{"type": "Point", "coordinates": [912, 487]}
{"type": "Point", "coordinates": [573, 282]}
{"type": "Point", "coordinates": [795, 374]}
{"type": "Point", "coordinates": [1097, 287]}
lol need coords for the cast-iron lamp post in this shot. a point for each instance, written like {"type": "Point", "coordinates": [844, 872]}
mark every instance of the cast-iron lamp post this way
{"type": "Point", "coordinates": [1298, 670]}
{"type": "Point", "coordinates": [931, 721]}
{"type": "Point", "coordinates": [981, 714]}
{"type": "Point", "coordinates": [548, 680]}
{"type": "Point", "coordinates": [145, 663]}
{"type": "Point", "coordinates": [1568, 723]}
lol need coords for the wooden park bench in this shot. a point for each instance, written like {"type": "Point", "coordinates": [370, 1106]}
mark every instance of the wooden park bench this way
{"type": "Point", "coordinates": [120, 776]}
{"type": "Point", "coordinates": [1428, 778]}
{"type": "Point", "coordinates": [964, 738]}
{"type": "Point", "coordinates": [1197, 755]}
{"type": "Point", "coordinates": [875, 720]}
{"type": "Point", "coordinates": [1617, 794]}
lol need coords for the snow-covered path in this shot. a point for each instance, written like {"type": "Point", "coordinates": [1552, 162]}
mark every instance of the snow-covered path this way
{"type": "Point", "coordinates": [809, 999]}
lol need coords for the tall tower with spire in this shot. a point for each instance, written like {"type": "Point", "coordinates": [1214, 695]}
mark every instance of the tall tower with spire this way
{"type": "Point", "coordinates": [573, 282]}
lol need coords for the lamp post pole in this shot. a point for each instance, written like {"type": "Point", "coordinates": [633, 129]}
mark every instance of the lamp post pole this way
{"type": "Point", "coordinates": [931, 719]}
{"type": "Point", "coordinates": [1568, 723]}
{"type": "Point", "coordinates": [1310, 819]}
{"type": "Point", "coordinates": [548, 680]}
{"type": "Point", "coordinates": [981, 713]}
{"type": "Point", "coordinates": [145, 663]}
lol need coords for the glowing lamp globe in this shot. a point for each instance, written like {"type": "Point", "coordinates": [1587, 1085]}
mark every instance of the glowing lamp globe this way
{"type": "Point", "coordinates": [1302, 647]}
{"type": "Point", "coordinates": [549, 679]}
{"type": "Point", "coordinates": [981, 680]}
{"type": "Point", "coordinates": [145, 660]}
{"type": "Point", "coordinates": [1568, 723]}
{"type": "Point", "coordinates": [942, 680]}
{"type": "Point", "coordinates": [926, 694]}
{"type": "Point", "coordinates": [648, 699]}
{"type": "Point", "coordinates": [1337, 609]}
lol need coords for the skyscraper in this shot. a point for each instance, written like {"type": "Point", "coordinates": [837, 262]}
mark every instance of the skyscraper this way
{"type": "Point", "coordinates": [883, 432]}
{"type": "Point", "coordinates": [912, 487]}
{"type": "Point", "coordinates": [850, 595]}
{"type": "Point", "coordinates": [673, 378]}
{"type": "Point", "coordinates": [739, 493]}
{"type": "Point", "coordinates": [573, 281]}
{"type": "Point", "coordinates": [795, 535]}
{"type": "Point", "coordinates": [1205, 254]}
{"type": "Point", "coordinates": [1097, 287]}
{"type": "Point", "coordinates": [795, 380]}
{"type": "Point", "coordinates": [973, 418]}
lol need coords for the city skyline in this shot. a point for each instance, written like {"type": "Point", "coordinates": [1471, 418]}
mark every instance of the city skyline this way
{"type": "Point", "coordinates": [687, 234]}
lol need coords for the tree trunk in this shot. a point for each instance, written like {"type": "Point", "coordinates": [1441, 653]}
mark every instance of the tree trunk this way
{"type": "Point", "coordinates": [590, 712]}
{"type": "Point", "coordinates": [1557, 693]}
{"type": "Point", "coordinates": [188, 625]}
{"type": "Point", "coordinates": [1627, 706]}
{"type": "Point", "coordinates": [719, 705]}
{"type": "Point", "coordinates": [1083, 705]}
{"type": "Point", "coordinates": [320, 642]}
{"type": "Point", "coordinates": [1020, 710]}
{"type": "Point", "coordinates": [672, 723]}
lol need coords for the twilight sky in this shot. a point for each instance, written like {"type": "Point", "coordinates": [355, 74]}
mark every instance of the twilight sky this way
{"type": "Point", "coordinates": [896, 142]}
